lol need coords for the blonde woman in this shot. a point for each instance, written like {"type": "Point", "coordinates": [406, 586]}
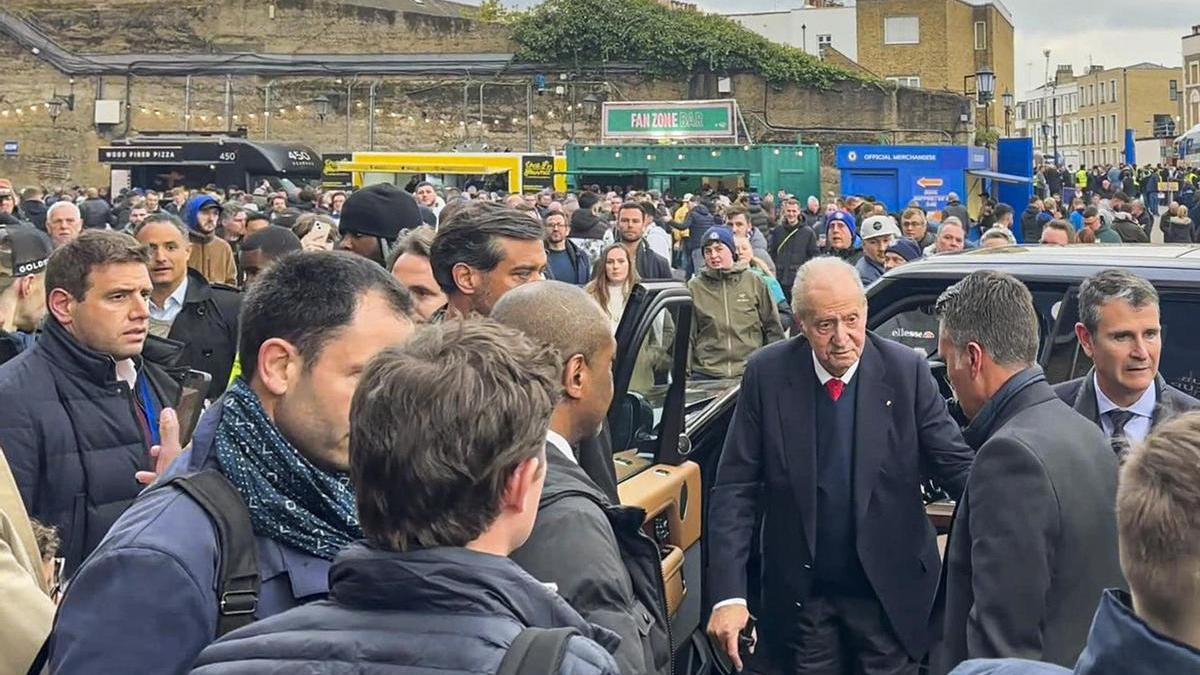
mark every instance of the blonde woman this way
{"type": "Point", "coordinates": [613, 279]}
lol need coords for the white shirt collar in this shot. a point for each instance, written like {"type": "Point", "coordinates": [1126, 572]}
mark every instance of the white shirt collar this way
{"type": "Point", "coordinates": [1143, 407]}
{"type": "Point", "coordinates": [824, 375]}
{"type": "Point", "coordinates": [556, 439]}
{"type": "Point", "coordinates": [176, 298]}
{"type": "Point", "coordinates": [127, 372]}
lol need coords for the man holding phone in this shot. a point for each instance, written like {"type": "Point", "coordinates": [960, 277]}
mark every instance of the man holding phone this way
{"type": "Point", "coordinates": [185, 307]}
{"type": "Point", "coordinates": [280, 437]}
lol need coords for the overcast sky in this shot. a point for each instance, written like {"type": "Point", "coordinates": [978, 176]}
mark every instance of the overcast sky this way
{"type": "Point", "coordinates": [1110, 33]}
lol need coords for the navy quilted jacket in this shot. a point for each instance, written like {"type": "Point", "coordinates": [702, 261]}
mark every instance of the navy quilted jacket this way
{"type": "Point", "coordinates": [429, 612]}
{"type": "Point", "coordinates": [71, 434]}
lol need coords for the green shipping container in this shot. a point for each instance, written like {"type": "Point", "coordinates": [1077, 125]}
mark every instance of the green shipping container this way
{"type": "Point", "coordinates": [681, 169]}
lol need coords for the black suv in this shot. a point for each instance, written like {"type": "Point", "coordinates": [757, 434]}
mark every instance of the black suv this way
{"type": "Point", "coordinates": [669, 432]}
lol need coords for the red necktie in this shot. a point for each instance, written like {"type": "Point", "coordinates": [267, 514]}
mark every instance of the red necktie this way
{"type": "Point", "coordinates": [835, 387]}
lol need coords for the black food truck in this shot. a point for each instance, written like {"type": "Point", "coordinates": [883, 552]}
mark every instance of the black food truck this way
{"type": "Point", "coordinates": [169, 160]}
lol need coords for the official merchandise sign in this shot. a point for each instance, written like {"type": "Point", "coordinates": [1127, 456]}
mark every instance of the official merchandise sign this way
{"type": "Point", "coordinates": [677, 120]}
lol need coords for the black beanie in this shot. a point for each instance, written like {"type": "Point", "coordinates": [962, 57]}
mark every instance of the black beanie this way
{"type": "Point", "coordinates": [380, 210]}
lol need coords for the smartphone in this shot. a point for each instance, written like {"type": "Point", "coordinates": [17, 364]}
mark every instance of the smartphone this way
{"type": "Point", "coordinates": [191, 403]}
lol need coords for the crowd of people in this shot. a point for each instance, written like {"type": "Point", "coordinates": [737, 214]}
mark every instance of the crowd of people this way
{"type": "Point", "coordinates": [405, 443]}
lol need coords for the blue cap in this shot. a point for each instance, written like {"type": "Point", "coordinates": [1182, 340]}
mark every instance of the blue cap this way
{"type": "Point", "coordinates": [720, 234]}
{"type": "Point", "coordinates": [845, 218]}
{"type": "Point", "coordinates": [755, 199]}
{"type": "Point", "coordinates": [906, 248]}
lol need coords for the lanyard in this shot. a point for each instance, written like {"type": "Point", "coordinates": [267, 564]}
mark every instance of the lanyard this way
{"type": "Point", "coordinates": [149, 406]}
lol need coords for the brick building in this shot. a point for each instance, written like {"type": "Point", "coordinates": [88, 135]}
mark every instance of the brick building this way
{"type": "Point", "coordinates": [1143, 97]}
{"type": "Point", "coordinates": [936, 43]}
{"type": "Point", "coordinates": [1191, 80]}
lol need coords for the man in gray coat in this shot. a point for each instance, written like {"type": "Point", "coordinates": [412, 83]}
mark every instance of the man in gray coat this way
{"type": "Point", "coordinates": [1121, 332]}
{"type": "Point", "coordinates": [593, 550]}
{"type": "Point", "coordinates": [1034, 540]}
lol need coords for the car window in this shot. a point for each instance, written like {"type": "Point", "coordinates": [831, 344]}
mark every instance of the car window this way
{"type": "Point", "coordinates": [916, 328]}
{"type": "Point", "coordinates": [1180, 362]}
{"type": "Point", "coordinates": [636, 423]}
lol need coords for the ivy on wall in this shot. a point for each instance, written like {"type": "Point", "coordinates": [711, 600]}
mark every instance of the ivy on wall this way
{"type": "Point", "coordinates": [666, 42]}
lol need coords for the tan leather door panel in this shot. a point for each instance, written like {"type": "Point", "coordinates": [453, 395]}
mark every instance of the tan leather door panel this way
{"type": "Point", "coordinates": [673, 493]}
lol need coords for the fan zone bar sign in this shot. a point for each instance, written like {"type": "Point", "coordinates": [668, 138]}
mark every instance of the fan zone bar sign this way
{"type": "Point", "coordinates": [652, 120]}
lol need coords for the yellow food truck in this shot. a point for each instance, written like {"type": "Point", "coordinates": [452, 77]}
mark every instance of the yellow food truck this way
{"type": "Point", "coordinates": [512, 172]}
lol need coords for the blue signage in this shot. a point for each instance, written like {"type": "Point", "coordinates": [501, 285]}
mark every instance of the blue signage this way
{"type": "Point", "coordinates": [899, 175]}
{"type": "Point", "coordinates": [11, 148]}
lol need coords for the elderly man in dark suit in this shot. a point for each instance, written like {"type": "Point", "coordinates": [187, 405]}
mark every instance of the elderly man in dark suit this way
{"type": "Point", "coordinates": [833, 433]}
{"type": "Point", "coordinates": [1033, 543]}
{"type": "Point", "coordinates": [1120, 331]}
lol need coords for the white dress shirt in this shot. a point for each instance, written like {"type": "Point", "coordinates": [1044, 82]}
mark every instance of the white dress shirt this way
{"type": "Point", "coordinates": [823, 376]}
{"type": "Point", "coordinates": [556, 439]}
{"type": "Point", "coordinates": [127, 373]}
{"type": "Point", "coordinates": [172, 306]}
{"type": "Point", "coordinates": [1143, 409]}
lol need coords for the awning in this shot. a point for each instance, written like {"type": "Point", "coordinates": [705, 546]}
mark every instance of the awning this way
{"type": "Point", "coordinates": [999, 177]}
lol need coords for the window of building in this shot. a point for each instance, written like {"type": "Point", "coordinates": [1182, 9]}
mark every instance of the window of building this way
{"type": "Point", "coordinates": [1104, 156]}
{"type": "Point", "coordinates": [1112, 90]}
{"type": "Point", "coordinates": [901, 30]}
{"type": "Point", "coordinates": [906, 81]}
{"type": "Point", "coordinates": [1174, 90]}
{"type": "Point", "coordinates": [824, 39]}
{"type": "Point", "coordinates": [1194, 72]}
{"type": "Point", "coordinates": [1116, 135]}
{"type": "Point", "coordinates": [1091, 94]}
{"type": "Point", "coordinates": [1101, 99]}
{"type": "Point", "coordinates": [980, 35]}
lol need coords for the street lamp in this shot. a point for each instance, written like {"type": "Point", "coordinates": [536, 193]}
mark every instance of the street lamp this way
{"type": "Point", "coordinates": [1010, 102]}
{"type": "Point", "coordinates": [985, 85]}
{"type": "Point", "coordinates": [55, 105]}
{"type": "Point", "coordinates": [322, 105]}
{"type": "Point", "coordinates": [591, 101]}
{"type": "Point", "coordinates": [984, 92]}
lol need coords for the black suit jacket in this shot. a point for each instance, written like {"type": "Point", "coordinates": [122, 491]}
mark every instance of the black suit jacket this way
{"type": "Point", "coordinates": [903, 433]}
{"type": "Point", "coordinates": [1034, 538]}
{"type": "Point", "coordinates": [1080, 394]}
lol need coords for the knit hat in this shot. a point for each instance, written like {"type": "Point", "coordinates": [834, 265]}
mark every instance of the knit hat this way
{"type": "Point", "coordinates": [880, 226]}
{"type": "Point", "coordinates": [906, 248]}
{"type": "Point", "coordinates": [722, 235]}
{"type": "Point", "coordinates": [755, 199]}
{"type": "Point", "coordinates": [23, 251]}
{"type": "Point", "coordinates": [380, 210]}
{"type": "Point", "coordinates": [846, 219]}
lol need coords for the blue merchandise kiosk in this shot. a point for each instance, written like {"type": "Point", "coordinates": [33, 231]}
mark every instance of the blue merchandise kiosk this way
{"type": "Point", "coordinates": [896, 175]}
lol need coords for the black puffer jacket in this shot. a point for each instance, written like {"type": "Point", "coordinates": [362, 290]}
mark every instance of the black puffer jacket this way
{"type": "Point", "coordinates": [441, 610]}
{"type": "Point", "coordinates": [602, 562]}
{"type": "Point", "coordinates": [71, 433]}
{"type": "Point", "coordinates": [208, 328]}
{"type": "Point", "coordinates": [791, 247]}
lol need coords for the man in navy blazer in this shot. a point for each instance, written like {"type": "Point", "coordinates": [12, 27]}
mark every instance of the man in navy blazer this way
{"type": "Point", "coordinates": [833, 433]}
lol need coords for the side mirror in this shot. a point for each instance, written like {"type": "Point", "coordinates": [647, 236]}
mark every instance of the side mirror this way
{"type": "Point", "coordinates": [632, 422]}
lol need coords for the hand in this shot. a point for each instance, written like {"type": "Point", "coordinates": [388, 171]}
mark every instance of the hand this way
{"type": "Point", "coordinates": [724, 626]}
{"type": "Point", "coordinates": [167, 451]}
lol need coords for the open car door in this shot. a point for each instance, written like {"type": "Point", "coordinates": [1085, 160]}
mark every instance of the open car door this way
{"type": "Point", "coordinates": [646, 420]}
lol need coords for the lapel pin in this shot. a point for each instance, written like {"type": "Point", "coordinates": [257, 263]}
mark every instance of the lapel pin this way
{"type": "Point", "coordinates": [889, 404]}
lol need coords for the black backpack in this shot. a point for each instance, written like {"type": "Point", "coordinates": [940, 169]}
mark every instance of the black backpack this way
{"type": "Point", "coordinates": [237, 578]}
{"type": "Point", "coordinates": [537, 650]}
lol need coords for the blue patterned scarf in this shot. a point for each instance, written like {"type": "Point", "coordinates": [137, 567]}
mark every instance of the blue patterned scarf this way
{"type": "Point", "coordinates": [290, 500]}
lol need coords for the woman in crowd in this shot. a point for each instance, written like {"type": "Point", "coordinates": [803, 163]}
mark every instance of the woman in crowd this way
{"type": "Point", "coordinates": [613, 278]}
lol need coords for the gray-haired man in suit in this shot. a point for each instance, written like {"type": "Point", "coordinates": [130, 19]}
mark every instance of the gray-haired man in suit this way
{"type": "Point", "coordinates": [1120, 330]}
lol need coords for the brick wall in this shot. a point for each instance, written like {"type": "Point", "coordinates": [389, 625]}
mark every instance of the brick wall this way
{"type": "Point", "coordinates": [410, 113]}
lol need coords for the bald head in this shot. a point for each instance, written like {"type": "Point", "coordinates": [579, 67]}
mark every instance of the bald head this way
{"type": "Point", "coordinates": [559, 314]}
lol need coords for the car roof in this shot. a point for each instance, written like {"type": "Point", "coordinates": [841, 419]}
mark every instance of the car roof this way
{"type": "Point", "coordinates": [1155, 262]}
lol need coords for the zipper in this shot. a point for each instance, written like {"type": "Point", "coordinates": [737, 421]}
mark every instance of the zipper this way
{"type": "Point", "coordinates": [728, 326]}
